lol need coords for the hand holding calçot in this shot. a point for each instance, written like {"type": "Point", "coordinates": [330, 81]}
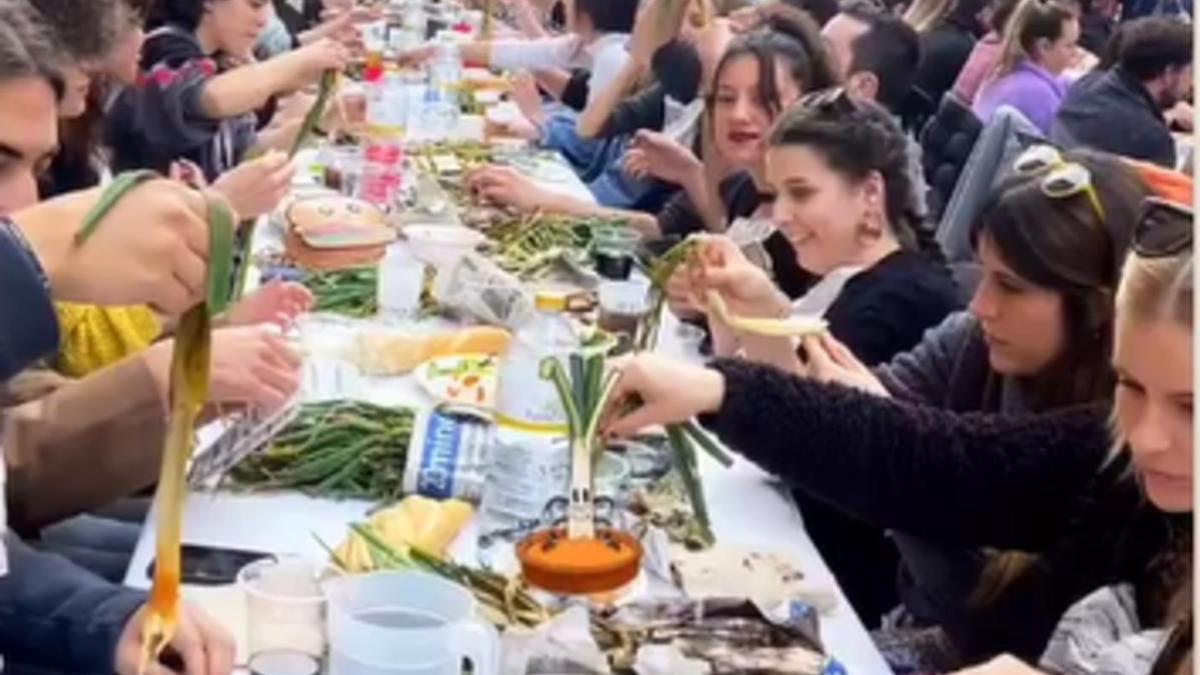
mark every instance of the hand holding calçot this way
{"type": "Point", "coordinates": [150, 249]}
{"type": "Point", "coordinates": [664, 391]}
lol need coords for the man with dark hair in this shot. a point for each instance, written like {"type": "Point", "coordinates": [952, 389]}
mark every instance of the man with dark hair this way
{"type": "Point", "coordinates": [53, 614]}
{"type": "Point", "coordinates": [1121, 110]}
{"type": "Point", "coordinates": [85, 32]}
{"type": "Point", "coordinates": [875, 53]}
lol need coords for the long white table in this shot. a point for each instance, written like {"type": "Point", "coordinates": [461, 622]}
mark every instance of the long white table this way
{"type": "Point", "coordinates": [748, 510]}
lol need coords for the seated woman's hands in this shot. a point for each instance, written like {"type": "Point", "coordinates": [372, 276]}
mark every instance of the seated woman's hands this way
{"type": "Point", "coordinates": [256, 187]}
{"type": "Point", "coordinates": [665, 392]}
{"type": "Point", "coordinates": [505, 186]}
{"type": "Point", "coordinates": [251, 365]}
{"type": "Point", "coordinates": [277, 303]}
{"type": "Point", "coordinates": [654, 154]}
{"type": "Point", "coordinates": [203, 645]}
{"type": "Point", "coordinates": [719, 265]}
{"type": "Point", "coordinates": [831, 361]}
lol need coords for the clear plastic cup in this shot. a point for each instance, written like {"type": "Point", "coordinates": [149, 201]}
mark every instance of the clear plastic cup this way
{"type": "Point", "coordinates": [285, 615]}
{"type": "Point", "coordinates": [406, 623]}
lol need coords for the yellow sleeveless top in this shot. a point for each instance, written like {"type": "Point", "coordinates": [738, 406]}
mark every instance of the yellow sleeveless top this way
{"type": "Point", "coordinates": [94, 337]}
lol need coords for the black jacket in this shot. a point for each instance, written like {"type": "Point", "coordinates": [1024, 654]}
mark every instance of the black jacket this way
{"type": "Point", "coordinates": [160, 119]}
{"type": "Point", "coordinates": [1111, 111]}
{"type": "Point", "coordinates": [30, 326]}
{"type": "Point", "coordinates": [944, 50]}
{"type": "Point", "coordinates": [1010, 482]}
{"type": "Point", "coordinates": [946, 145]}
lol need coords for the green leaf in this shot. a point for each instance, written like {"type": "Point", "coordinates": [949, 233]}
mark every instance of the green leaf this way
{"type": "Point", "coordinates": [551, 369]}
{"type": "Point", "coordinates": [314, 113]}
{"type": "Point", "coordinates": [706, 443]}
{"type": "Point", "coordinates": [685, 464]}
{"type": "Point", "coordinates": [116, 190]}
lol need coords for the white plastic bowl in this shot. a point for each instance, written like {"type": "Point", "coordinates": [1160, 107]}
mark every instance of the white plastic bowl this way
{"type": "Point", "coordinates": [441, 245]}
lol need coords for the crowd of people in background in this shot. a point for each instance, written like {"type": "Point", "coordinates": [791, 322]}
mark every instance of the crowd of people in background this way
{"type": "Point", "coordinates": [988, 201]}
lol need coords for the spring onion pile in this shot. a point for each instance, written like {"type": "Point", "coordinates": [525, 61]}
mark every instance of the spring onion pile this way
{"type": "Point", "coordinates": [345, 292]}
{"type": "Point", "coordinates": [338, 449]}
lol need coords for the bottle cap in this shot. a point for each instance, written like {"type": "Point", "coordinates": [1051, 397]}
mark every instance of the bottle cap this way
{"type": "Point", "coordinates": [550, 301]}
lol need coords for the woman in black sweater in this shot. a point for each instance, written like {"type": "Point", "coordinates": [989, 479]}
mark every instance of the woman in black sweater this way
{"type": "Point", "coordinates": [1120, 541]}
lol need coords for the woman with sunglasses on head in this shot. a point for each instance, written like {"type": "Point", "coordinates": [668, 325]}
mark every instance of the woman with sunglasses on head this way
{"type": "Point", "coordinates": [1035, 340]}
{"type": "Point", "coordinates": [1109, 551]}
{"type": "Point", "coordinates": [1040, 43]}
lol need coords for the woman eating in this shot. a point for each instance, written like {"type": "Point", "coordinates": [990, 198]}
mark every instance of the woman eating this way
{"type": "Point", "coordinates": [1112, 550]}
{"type": "Point", "coordinates": [1035, 340]}
{"type": "Point", "coordinates": [838, 170]}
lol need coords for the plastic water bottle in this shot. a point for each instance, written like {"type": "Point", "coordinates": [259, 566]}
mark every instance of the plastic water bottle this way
{"type": "Point", "coordinates": [530, 463]}
{"type": "Point", "coordinates": [445, 79]}
{"type": "Point", "coordinates": [401, 277]}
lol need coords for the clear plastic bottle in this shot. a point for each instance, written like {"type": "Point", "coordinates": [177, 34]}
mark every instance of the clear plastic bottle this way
{"type": "Point", "coordinates": [445, 80]}
{"type": "Point", "coordinates": [530, 459]}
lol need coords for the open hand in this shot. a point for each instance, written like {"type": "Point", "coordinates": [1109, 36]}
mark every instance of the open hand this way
{"type": "Point", "coordinates": [203, 645]}
{"type": "Point", "coordinates": [277, 303]}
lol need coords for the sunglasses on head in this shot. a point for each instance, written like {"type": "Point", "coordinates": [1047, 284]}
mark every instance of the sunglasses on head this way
{"type": "Point", "coordinates": [1164, 229]}
{"type": "Point", "coordinates": [1060, 179]}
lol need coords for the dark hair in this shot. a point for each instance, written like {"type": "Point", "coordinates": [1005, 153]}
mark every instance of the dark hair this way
{"type": "Point", "coordinates": [1033, 20]}
{"type": "Point", "coordinates": [26, 48]}
{"type": "Point", "coordinates": [87, 30]}
{"type": "Point", "coordinates": [185, 14]}
{"type": "Point", "coordinates": [820, 10]}
{"type": "Point", "coordinates": [609, 16]}
{"type": "Point", "coordinates": [1002, 11]}
{"type": "Point", "coordinates": [792, 37]}
{"type": "Point", "coordinates": [890, 49]}
{"type": "Point", "coordinates": [967, 12]}
{"type": "Point", "coordinates": [1065, 246]}
{"type": "Point", "coordinates": [676, 66]}
{"type": "Point", "coordinates": [857, 138]}
{"type": "Point", "coordinates": [1152, 45]}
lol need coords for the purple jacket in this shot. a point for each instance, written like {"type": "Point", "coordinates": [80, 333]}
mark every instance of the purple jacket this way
{"type": "Point", "coordinates": [1030, 89]}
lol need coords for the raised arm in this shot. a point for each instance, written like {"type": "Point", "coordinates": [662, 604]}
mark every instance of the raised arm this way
{"type": "Point", "coordinates": [988, 480]}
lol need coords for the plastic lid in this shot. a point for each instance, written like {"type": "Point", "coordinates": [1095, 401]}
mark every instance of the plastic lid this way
{"type": "Point", "coordinates": [550, 301]}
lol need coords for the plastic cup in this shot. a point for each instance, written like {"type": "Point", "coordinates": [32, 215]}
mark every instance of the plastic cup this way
{"type": "Point", "coordinates": [406, 623]}
{"type": "Point", "coordinates": [623, 305]}
{"type": "Point", "coordinates": [285, 613]}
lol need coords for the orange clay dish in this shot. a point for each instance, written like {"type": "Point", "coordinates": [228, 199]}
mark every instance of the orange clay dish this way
{"type": "Point", "coordinates": [579, 559]}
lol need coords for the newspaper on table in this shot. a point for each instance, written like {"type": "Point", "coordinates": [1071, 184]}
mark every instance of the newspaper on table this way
{"type": "Point", "coordinates": [448, 455]}
{"type": "Point", "coordinates": [475, 286]}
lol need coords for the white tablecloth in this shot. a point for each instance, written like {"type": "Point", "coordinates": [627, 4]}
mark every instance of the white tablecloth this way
{"type": "Point", "coordinates": [748, 509]}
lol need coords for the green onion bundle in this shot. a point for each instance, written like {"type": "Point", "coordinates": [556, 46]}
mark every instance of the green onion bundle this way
{"type": "Point", "coordinates": [339, 449]}
{"type": "Point", "coordinates": [345, 292]}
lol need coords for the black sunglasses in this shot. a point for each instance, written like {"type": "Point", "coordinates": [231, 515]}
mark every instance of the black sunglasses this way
{"type": "Point", "coordinates": [1164, 229]}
